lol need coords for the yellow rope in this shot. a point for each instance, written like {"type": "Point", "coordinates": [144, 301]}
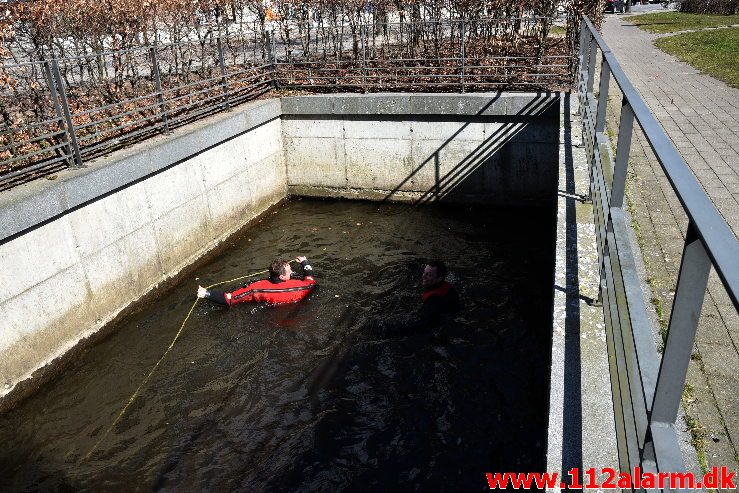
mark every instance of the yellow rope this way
{"type": "Point", "coordinates": [148, 376]}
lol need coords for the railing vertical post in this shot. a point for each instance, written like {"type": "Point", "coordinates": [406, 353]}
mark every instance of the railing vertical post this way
{"type": "Point", "coordinates": [593, 51]}
{"type": "Point", "coordinates": [362, 30]}
{"type": "Point", "coordinates": [463, 53]}
{"type": "Point", "coordinates": [605, 79]}
{"type": "Point", "coordinates": [581, 72]}
{"type": "Point", "coordinates": [623, 147]}
{"type": "Point", "coordinates": [158, 86]}
{"type": "Point", "coordinates": [59, 112]}
{"type": "Point", "coordinates": [67, 114]}
{"type": "Point", "coordinates": [686, 308]}
{"type": "Point", "coordinates": [224, 74]}
{"type": "Point", "coordinates": [273, 56]}
{"type": "Point", "coordinates": [581, 53]}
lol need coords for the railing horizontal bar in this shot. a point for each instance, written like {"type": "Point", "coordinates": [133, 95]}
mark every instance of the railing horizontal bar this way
{"type": "Point", "coordinates": [34, 153]}
{"type": "Point", "coordinates": [27, 171]}
{"type": "Point", "coordinates": [197, 104]}
{"type": "Point", "coordinates": [102, 54]}
{"type": "Point", "coordinates": [236, 91]}
{"type": "Point", "coordinates": [719, 241]}
{"type": "Point", "coordinates": [219, 94]}
{"type": "Point", "coordinates": [351, 61]}
{"type": "Point", "coordinates": [111, 141]}
{"type": "Point", "coordinates": [21, 143]}
{"type": "Point", "coordinates": [417, 76]}
{"type": "Point", "coordinates": [246, 70]}
{"type": "Point", "coordinates": [245, 96]}
{"type": "Point", "coordinates": [641, 327]}
{"type": "Point", "coordinates": [32, 126]}
{"type": "Point", "coordinates": [630, 431]}
{"type": "Point", "coordinates": [615, 384]}
{"type": "Point", "coordinates": [189, 116]}
{"type": "Point", "coordinates": [193, 84]}
{"type": "Point", "coordinates": [117, 116]}
{"type": "Point", "coordinates": [117, 103]}
{"type": "Point", "coordinates": [117, 128]}
{"type": "Point", "coordinates": [638, 402]}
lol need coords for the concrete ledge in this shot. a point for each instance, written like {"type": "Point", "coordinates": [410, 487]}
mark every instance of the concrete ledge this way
{"type": "Point", "coordinates": [581, 416]}
{"type": "Point", "coordinates": [477, 104]}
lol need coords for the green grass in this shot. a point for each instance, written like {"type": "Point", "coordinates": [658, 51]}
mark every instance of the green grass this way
{"type": "Point", "coordinates": [557, 31]}
{"type": "Point", "coordinates": [698, 439]}
{"type": "Point", "coordinates": [672, 22]}
{"type": "Point", "coordinates": [715, 53]}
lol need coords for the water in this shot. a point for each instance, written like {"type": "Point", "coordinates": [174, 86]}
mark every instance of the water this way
{"type": "Point", "coordinates": [307, 397]}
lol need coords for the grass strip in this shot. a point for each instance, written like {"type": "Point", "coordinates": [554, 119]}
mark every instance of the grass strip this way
{"type": "Point", "coordinates": [715, 53]}
{"type": "Point", "coordinates": [672, 22]}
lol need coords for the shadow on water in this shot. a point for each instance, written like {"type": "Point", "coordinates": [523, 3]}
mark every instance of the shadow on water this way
{"type": "Point", "coordinates": [305, 397]}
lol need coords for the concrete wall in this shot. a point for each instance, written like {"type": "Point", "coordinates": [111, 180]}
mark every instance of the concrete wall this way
{"type": "Point", "coordinates": [495, 148]}
{"type": "Point", "coordinates": [79, 249]}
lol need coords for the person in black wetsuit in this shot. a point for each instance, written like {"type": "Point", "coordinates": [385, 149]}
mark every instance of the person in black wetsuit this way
{"type": "Point", "coordinates": [440, 303]}
{"type": "Point", "coordinates": [440, 299]}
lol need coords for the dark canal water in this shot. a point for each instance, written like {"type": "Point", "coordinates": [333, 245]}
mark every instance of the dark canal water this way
{"type": "Point", "coordinates": [308, 397]}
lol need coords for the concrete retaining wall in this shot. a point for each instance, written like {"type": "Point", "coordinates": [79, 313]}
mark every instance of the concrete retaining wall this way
{"type": "Point", "coordinates": [78, 250]}
{"type": "Point", "coordinates": [493, 148]}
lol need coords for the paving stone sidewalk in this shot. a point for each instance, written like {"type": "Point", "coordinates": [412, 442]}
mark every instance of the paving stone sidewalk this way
{"type": "Point", "coordinates": [701, 116]}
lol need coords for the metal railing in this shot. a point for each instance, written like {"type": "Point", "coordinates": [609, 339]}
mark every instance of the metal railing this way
{"type": "Point", "coordinates": [646, 389]}
{"type": "Point", "coordinates": [86, 106]}
{"type": "Point", "coordinates": [60, 113]}
{"type": "Point", "coordinates": [458, 55]}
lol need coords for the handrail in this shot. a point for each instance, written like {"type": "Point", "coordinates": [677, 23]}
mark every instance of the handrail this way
{"type": "Point", "coordinates": [646, 389]}
{"type": "Point", "coordinates": [717, 237]}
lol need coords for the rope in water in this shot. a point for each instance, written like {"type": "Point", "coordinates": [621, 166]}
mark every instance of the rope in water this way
{"type": "Point", "coordinates": [148, 376]}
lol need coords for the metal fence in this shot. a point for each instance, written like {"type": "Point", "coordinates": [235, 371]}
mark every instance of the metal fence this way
{"type": "Point", "coordinates": [62, 112]}
{"type": "Point", "coordinates": [646, 388]}
{"type": "Point", "coordinates": [456, 55]}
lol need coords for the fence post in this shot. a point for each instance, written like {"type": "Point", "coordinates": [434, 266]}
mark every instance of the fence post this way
{"type": "Point", "coordinates": [59, 112]}
{"type": "Point", "coordinates": [581, 54]}
{"type": "Point", "coordinates": [593, 48]}
{"type": "Point", "coordinates": [686, 309]}
{"type": "Point", "coordinates": [224, 74]}
{"type": "Point", "coordinates": [67, 114]}
{"type": "Point", "coordinates": [623, 147]}
{"type": "Point", "coordinates": [463, 52]}
{"type": "Point", "coordinates": [362, 31]}
{"type": "Point", "coordinates": [580, 74]}
{"type": "Point", "coordinates": [605, 79]}
{"type": "Point", "coordinates": [273, 56]}
{"type": "Point", "coordinates": [158, 86]}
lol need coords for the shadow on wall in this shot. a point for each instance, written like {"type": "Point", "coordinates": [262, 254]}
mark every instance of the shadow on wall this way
{"type": "Point", "coordinates": [491, 167]}
{"type": "Point", "coordinates": [572, 411]}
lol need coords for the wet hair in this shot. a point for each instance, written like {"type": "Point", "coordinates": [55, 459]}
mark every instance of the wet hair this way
{"type": "Point", "coordinates": [278, 267]}
{"type": "Point", "coordinates": [440, 268]}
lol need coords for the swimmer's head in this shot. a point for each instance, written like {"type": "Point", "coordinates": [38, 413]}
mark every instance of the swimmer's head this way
{"type": "Point", "coordinates": [280, 268]}
{"type": "Point", "coordinates": [433, 273]}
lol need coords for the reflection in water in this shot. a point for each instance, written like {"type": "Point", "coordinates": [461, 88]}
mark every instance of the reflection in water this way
{"type": "Point", "coordinates": [307, 397]}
